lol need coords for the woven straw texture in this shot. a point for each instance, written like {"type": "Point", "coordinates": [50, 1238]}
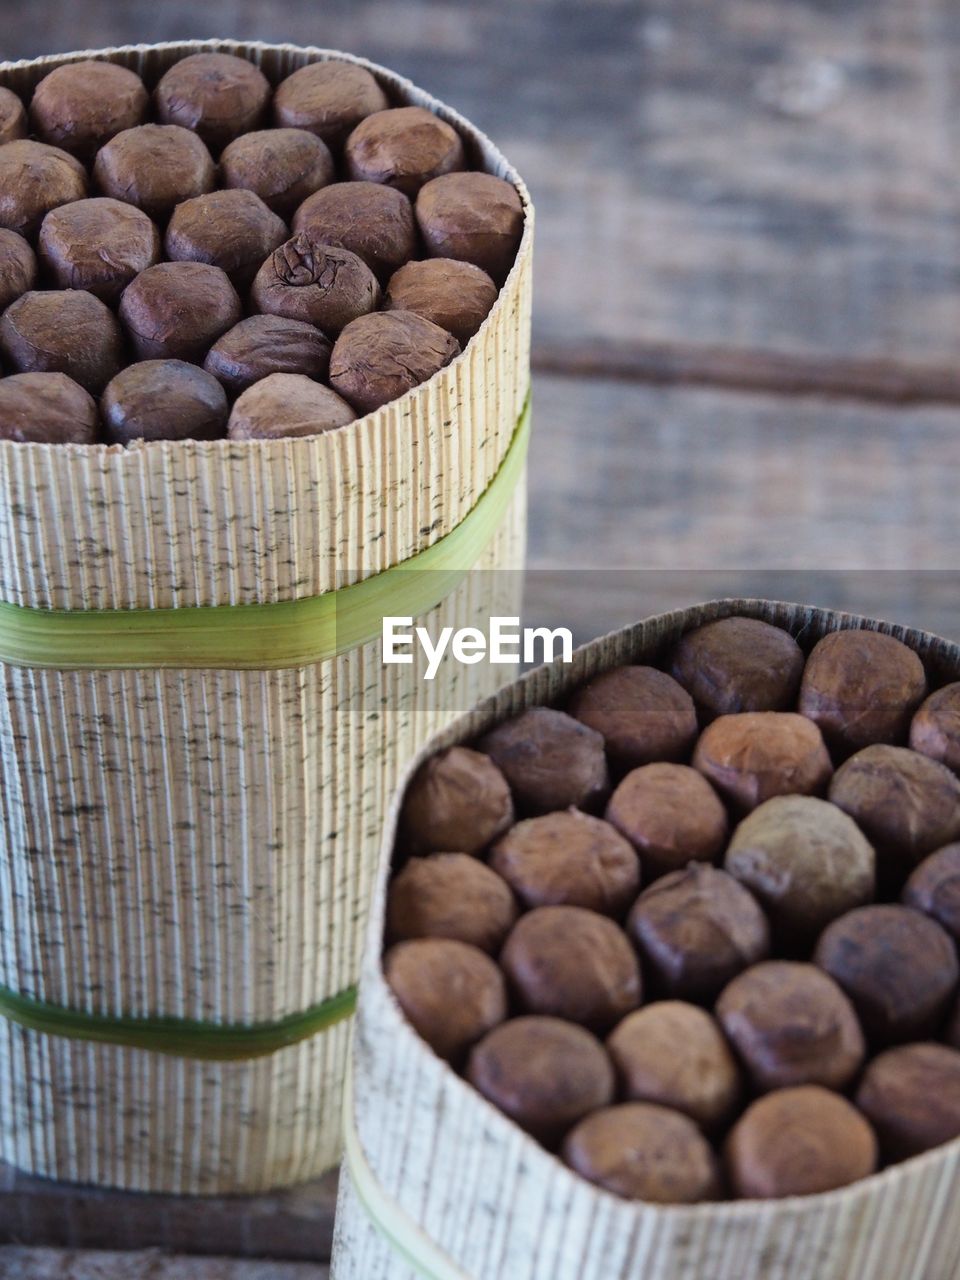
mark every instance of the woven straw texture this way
{"type": "Point", "coordinates": [501, 1208]}
{"type": "Point", "coordinates": [199, 843]}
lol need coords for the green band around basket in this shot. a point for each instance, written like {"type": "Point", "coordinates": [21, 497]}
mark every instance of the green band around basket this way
{"type": "Point", "coordinates": [288, 633]}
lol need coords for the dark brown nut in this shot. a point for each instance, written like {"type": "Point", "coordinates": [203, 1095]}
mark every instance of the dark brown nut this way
{"type": "Point", "coordinates": [450, 895]}
{"type": "Point", "coordinates": [98, 245]}
{"type": "Point", "coordinates": [455, 295]}
{"type": "Point", "coordinates": [282, 166]}
{"type": "Point", "coordinates": [861, 687]}
{"type": "Point", "coordinates": [18, 267]}
{"type": "Point", "coordinates": [935, 729]}
{"type": "Point", "coordinates": [233, 230]}
{"type": "Point", "coordinates": [674, 1054]}
{"type": "Point", "coordinates": [697, 929]}
{"type": "Point", "coordinates": [568, 859]}
{"type": "Point", "coordinates": [177, 310]}
{"type": "Point", "coordinates": [911, 1096]}
{"type": "Point", "coordinates": [380, 357]}
{"type": "Point", "coordinates": [473, 217]}
{"type": "Point", "coordinates": [317, 283]}
{"type": "Point", "coordinates": [452, 993]}
{"type": "Point", "coordinates": [644, 1152]}
{"type": "Point", "coordinates": [671, 816]}
{"type": "Point", "coordinates": [805, 860]}
{"type": "Point", "coordinates": [797, 1142]}
{"type": "Point", "coordinates": [403, 147]}
{"type": "Point", "coordinates": [34, 179]}
{"type": "Point", "coordinates": [163, 400]}
{"type": "Point", "coordinates": [791, 1024]}
{"type": "Point", "coordinates": [372, 221]}
{"type": "Point", "coordinates": [328, 99]}
{"type": "Point", "coordinates": [217, 95]}
{"type": "Point", "coordinates": [897, 966]}
{"type": "Point", "coordinates": [82, 105]}
{"type": "Point", "coordinates": [261, 345]}
{"type": "Point", "coordinates": [756, 755]}
{"type": "Point", "coordinates": [154, 167]}
{"type": "Point", "coordinates": [574, 964]}
{"type": "Point", "coordinates": [934, 888]}
{"type": "Point", "coordinates": [13, 117]}
{"type": "Point", "coordinates": [738, 664]}
{"type": "Point", "coordinates": [458, 801]}
{"type": "Point", "coordinates": [643, 714]}
{"type": "Point", "coordinates": [287, 404]}
{"type": "Point", "coordinates": [62, 331]}
{"type": "Point", "coordinates": [46, 408]}
{"type": "Point", "coordinates": [550, 760]}
{"type": "Point", "coordinates": [545, 1074]}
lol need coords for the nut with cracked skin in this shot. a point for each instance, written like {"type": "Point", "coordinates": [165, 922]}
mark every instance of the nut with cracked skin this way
{"type": "Point", "coordinates": [756, 755]}
{"type": "Point", "coordinates": [935, 729]}
{"type": "Point", "coordinates": [13, 117]}
{"type": "Point", "coordinates": [738, 664]}
{"type": "Point", "coordinates": [163, 400]}
{"type": "Point", "coordinates": [458, 801]}
{"type": "Point", "coordinates": [178, 310]}
{"type": "Point", "coordinates": [671, 815]}
{"type": "Point", "coordinates": [261, 345]}
{"type": "Point", "coordinates": [643, 714]}
{"type": "Point", "coordinates": [329, 99]}
{"type": "Point", "coordinates": [82, 105]}
{"type": "Point", "coordinates": [99, 245]}
{"type": "Point", "coordinates": [380, 357]}
{"type": "Point", "coordinates": [35, 178]}
{"type": "Point", "coordinates": [320, 284]}
{"type": "Point", "coordinates": [550, 760]}
{"type": "Point", "coordinates": [46, 408]}
{"type": "Point", "coordinates": [287, 404]}
{"type": "Point", "coordinates": [455, 295]}
{"type": "Point", "coordinates": [450, 895]}
{"type": "Point", "coordinates": [233, 230]}
{"type": "Point", "coordinates": [474, 217]}
{"type": "Point", "coordinates": [155, 167]}
{"type": "Point", "coordinates": [403, 147]}
{"type": "Point", "coordinates": [282, 166]}
{"type": "Point", "coordinates": [216, 95]}
{"type": "Point", "coordinates": [911, 1095]}
{"type": "Point", "coordinates": [18, 267]}
{"type": "Point", "coordinates": [373, 221]}
{"type": "Point", "coordinates": [63, 331]}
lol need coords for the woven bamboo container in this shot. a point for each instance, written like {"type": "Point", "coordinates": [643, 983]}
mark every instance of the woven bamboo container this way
{"type": "Point", "coordinates": [199, 843]}
{"type": "Point", "coordinates": [436, 1182]}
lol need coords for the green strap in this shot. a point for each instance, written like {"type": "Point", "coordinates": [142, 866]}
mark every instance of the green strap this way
{"type": "Point", "coordinates": [289, 633]}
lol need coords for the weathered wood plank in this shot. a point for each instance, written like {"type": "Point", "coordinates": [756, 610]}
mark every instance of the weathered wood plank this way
{"type": "Point", "coordinates": [59, 1264]}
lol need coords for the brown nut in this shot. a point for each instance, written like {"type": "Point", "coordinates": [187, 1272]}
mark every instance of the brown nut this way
{"type": "Point", "coordinates": [934, 888]}
{"type": "Point", "coordinates": [450, 895]}
{"type": "Point", "coordinates": [217, 95]}
{"type": "Point", "coordinates": [935, 729]}
{"type": "Point", "coordinates": [458, 801]}
{"type": "Point", "coordinates": [328, 99]}
{"type": "Point", "coordinates": [34, 179]}
{"type": "Point", "coordinates": [455, 295]}
{"type": "Point", "coordinates": [98, 245]}
{"type": "Point", "coordinates": [550, 760]}
{"type": "Point", "coordinates": [155, 167]}
{"type": "Point", "coordinates": [738, 664]}
{"type": "Point", "coordinates": [46, 408]}
{"type": "Point", "coordinates": [403, 147]}
{"type": "Point", "coordinates": [372, 221]}
{"type": "Point", "coordinates": [671, 816]}
{"type": "Point", "coordinates": [756, 755]}
{"type": "Point", "coordinates": [18, 267]}
{"type": "Point", "coordinates": [261, 345]}
{"type": "Point", "coordinates": [233, 230]}
{"type": "Point", "coordinates": [13, 117]}
{"type": "Point", "coordinates": [177, 310]}
{"type": "Point", "coordinates": [897, 966]}
{"type": "Point", "coordinates": [797, 1142]}
{"type": "Point", "coordinates": [287, 404]}
{"type": "Point", "coordinates": [644, 1152]}
{"type": "Point", "coordinates": [82, 105]}
{"type": "Point", "coordinates": [317, 283]}
{"type": "Point", "coordinates": [911, 1096]}
{"type": "Point", "coordinates": [282, 166]}
{"type": "Point", "coordinates": [643, 714]}
{"type": "Point", "coordinates": [473, 217]}
{"type": "Point", "coordinates": [380, 357]}
{"type": "Point", "coordinates": [163, 400]}
{"type": "Point", "coordinates": [63, 331]}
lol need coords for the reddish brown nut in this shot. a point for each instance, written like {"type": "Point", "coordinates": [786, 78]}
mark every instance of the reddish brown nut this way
{"type": "Point", "coordinates": [697, 929]}
{"type": "Point", "coordinates": [328, 99]}
{"type": "Point", "coordinates": [46, 408]}
{"type": "Point", "coordinates": [282, 166]}
{"type": "Point", "coordinates": [261, 345]}
{"type": "Point", "coordinates": [738, 664]}
{"type": "Point", "coordinates": [759, 754]}
{"type": "Point", "coordinates": [671, 816]}
{"type": "Point", "coordinates": [380, 357]}
{"type": "Point", "coordinates": [98, 245]}
{"type": "Point", "coordinates": [177, 310]}
{"type": "Point", "coordinates": [403, 147]}
{"type": "Point", "coordinates": [643, 714]}
{"type": "Point", "coordinates": [216, 95]}
{"type": "Point", "coordinates": [450, 895]}
{"type": "Point", "coordinates": [163, 400]}
{"type": "Point", "coordinates": [550, 760]}
{"type": "Point", "coordinates": [674, 1054]}
{"type": "Point", "coordinates": [644, 1152]}
{"type": "Point", "coordinates": [317, 283]}
{"type": "Point", "coordinates": [458, 800]}
{"type": "Point", "coordinates": [455, 295]}
{"type": "Point", "coordinates": [62, 331]}
{"type": "Point", "coordinates": [797, 1142]}
{"type": "Point", "coordinates": [13, 117]}
{"type": "Point", "coordinates": [897, 966]}
{"type": "Point", "coordinates": [233, 230]}
{"type": "Point", "coordinates": [452, 993]}
{"type": "Point", "coordinates": [473, 217]}
{"type": "Point", "coordinates": [935, 729]}
{"type": "Point", "coordinates": [82, 105]}
{"type": "Point", "coordinates": [545, 1074]}
{"type": "Point", "coordinates": [155, 167]}
{"type": "Point", "coordinates": [18, 267]}
{"type": "Point", "coordinates": [372, 221]}
{"type": "Point", "coordinates": [934, 888]}
{"type": "Point", "coordinates": [861, 687]}
{"type": "Point", "coordinates": [911, 1096]}
{"type": "Point", "coordinates": [34, 179]}
{"type": "Point", "coordinates": [287, 404]}
{"type": "Point", "coordinates": [571, 859]}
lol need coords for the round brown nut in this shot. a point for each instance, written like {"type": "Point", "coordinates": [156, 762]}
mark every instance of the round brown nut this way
{"type": "Point", "coordinates": [458, 800]}
{"type": "Point", "coordinates": [934, 888]}
{"type": "Point", "coordinates": [233, 230]}
{"type": "Point", "coordinates": [644, 1152]}
{"type": "Point", "coordinates": [473, 217]}
{"type": "Point", "coordinates": [328, 99]}
{"type": "Point", "coordinates": [911, 1095]}
{"type": "Point", "coordinates": [805, 860]}
{"type": "Point", "coordinates": [545, 1074]}
{"type": "Point", "coordinates": [550, 760]}
{"type": "Point", "coordinates": [82, 105]}
{"type": "Point", "coordinates": [797, 1142]}
{"type": "Point", "coordinates": [261, 345]}
{"type": "Point", "coordinates": [861, 687]}
{"type": "Point", "coordinates": [282, 166]}
{"type": "Point", "coordinates": [455, 295]}
{"type": "Point", "coordinates": [643, 714]}
{"type": "Point", "coordinates": [571, 859]}
{"type": "Point", "coordinates": [671, 816]}
{"type": "Point", "coordinates": [380, 357]}
{"type": "Point", "coordinates": [897, 966]}
{"type": "Point", "coordinates": [98, 245]}
{"type": "Point", "coordinates": [450, 895]}
{"type": "Point", "coordinates": [177, 310]}
{"type": "Point", "coordinates": [18, 267]}
{"type": "Point", "coordinates": [13, 117]}
{"type": "Point", "coordinates": [574, 964]}
{"type": "Point", "coordinates": [756, 755]}
{"type": "Point", "coordinates": [317, 283]}
{"type": "Point", "coordinates": [63, 331]}
{"type": "Point", "coordinates": [791, 1024]}
{"type": "Point", "coordinates": [287, 404]}
{"type": "Point", "coordinates": [155, 167]}
{"type": "Point", "coordinates": [697, 929]}
{"type": "Point", "coordinates": [46, 408]}
{"type": "Point", "coordinates": [35, 178]}
{"type": "Point", "coordinates": [935, 729]}
{"type": "Point", "coordinates": [674, 1054]}
{"type": "Point", "coordinates": [163, 400]}
{"type": "Point", "coordinates": [738, 664]}
{"type": "Point", "coordinates": [403, 147]}
{"type": "Point", "coordinates": [217, 95]}
{"type": "Point", "coordinates": [453, 994]}
{"type": "Point", "coordinates": [372, 221]}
